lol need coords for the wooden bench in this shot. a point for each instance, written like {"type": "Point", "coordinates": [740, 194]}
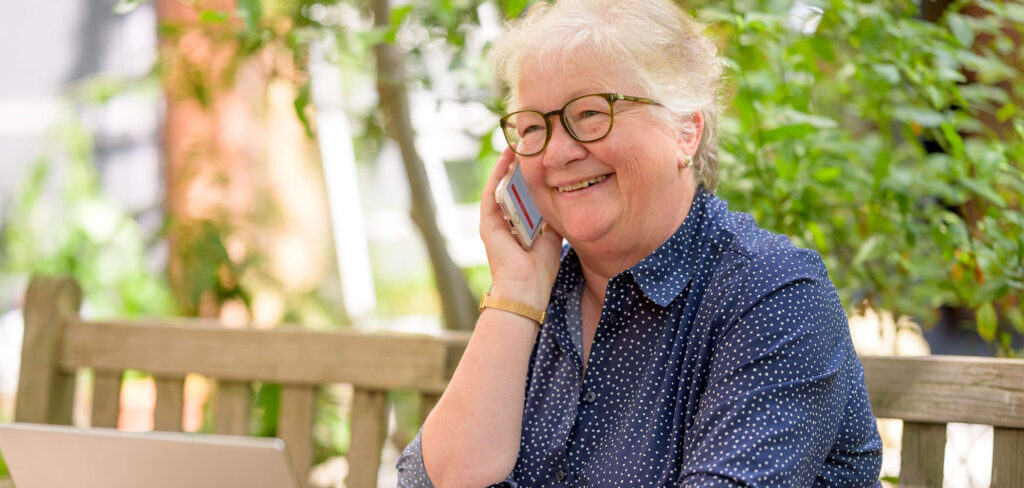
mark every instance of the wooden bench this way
{"type": "Point", "coordinates": [929, 391]}
{"type": "Point", "coordinates": [57, 343]}
{"type": "Point", "coordinates": [926, 392]}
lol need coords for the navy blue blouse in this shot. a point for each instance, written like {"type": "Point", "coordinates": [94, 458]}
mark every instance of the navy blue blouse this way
{"type": "Point", "coordinates": [722, 359]}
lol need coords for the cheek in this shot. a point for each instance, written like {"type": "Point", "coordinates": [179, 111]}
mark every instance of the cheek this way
{"type": "Point", "coordinates": [535, 181]}
{"type": "Point", "coordinates": [534, 177]}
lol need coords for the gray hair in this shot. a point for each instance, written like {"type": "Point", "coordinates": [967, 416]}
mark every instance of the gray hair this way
{"type": "Point", "coordinates": [661, 44]}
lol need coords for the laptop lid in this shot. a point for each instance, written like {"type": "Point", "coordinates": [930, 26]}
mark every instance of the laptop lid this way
{"type": "Point", "coordinates": [47, 456]}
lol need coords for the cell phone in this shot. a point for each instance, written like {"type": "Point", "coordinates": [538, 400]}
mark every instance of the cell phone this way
{"type": "Point", "coordinates": [517, 207]}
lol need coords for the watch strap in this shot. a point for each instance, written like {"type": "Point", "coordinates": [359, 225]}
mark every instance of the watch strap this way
{"type": "Point", "coordinates": [488, 301]}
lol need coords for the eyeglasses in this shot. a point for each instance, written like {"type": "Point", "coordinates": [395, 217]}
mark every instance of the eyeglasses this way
{"type": "Point", "coordinates": [587, 119]}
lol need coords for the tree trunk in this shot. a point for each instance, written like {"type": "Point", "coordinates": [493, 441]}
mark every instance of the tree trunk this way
{"type": "Point", "coordinates": [457, 301]}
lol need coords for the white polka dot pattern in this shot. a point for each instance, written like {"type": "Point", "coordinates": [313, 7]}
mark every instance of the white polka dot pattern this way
{"type": "Point", "coordinates": [722, 359]}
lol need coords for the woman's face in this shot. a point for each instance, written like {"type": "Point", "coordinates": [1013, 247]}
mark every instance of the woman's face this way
{"type": "Point", "coordinates": [643, 193]}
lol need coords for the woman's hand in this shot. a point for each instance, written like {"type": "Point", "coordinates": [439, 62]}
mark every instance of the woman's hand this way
{"type": "Point", "coordinates": [516, 274]}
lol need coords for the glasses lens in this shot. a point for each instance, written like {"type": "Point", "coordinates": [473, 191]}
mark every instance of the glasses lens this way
{"type": "Point", "coordinates": [589, 118]}
{"type": "Point", "coordinates": [526, 132]}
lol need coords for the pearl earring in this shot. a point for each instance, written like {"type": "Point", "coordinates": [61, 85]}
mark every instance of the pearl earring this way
{"type": "Point", "coordinates": [687, 161]}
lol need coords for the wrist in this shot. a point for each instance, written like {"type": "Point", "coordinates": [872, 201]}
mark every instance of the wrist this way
{"type": "Point", "coordinates": [517, 308]}
{"type": "Point", "coordinates": [527, 294]}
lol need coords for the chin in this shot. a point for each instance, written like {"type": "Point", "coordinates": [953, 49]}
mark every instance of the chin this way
{"type": "Point", "coordinates": [585, 231]}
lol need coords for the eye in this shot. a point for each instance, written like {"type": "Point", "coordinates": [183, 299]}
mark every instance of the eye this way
{"type": "Point", "coordinates": [586, 114]}
{"type": "Point", "coordinates": [530, 129]}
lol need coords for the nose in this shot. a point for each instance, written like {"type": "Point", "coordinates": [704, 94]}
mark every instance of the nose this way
{"type": "Point", "coordinates": [562, 149]}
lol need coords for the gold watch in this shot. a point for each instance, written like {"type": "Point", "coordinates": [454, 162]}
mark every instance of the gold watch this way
{"type": "Point", "coordinates": [487, 301]}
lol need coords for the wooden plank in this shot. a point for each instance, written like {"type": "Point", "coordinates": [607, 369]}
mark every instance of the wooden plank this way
{"type": "Point", "coordinates": [170, 403]}
{"type": "Point", "coordinates": [427, 403]}
{"type": "Point", "coordinates": [369, 428]}
{"type": "Point", "coordinates": [295, 426]}
{"type": "Point", "coordinates": [378, 360]}
{"type": "Point", "coordinates": [939, 389]}
{"type": "Point", "coordinates": [1007, 458]}
{"type": "Point", "coordinates": [232, 413]}
{"type": "Point", "coordinates": [106, 398]}
{"type": "Point", "coordinates": [922, 455]}
{"type": "Point", "coordinates": [45, 393]}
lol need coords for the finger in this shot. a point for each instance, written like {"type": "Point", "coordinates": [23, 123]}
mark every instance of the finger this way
{"type": "Point", "coordinates": [549, 233]}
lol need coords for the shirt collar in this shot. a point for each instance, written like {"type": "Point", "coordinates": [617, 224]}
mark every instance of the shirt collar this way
{"type": "Point", "coordinates": [664, 274]}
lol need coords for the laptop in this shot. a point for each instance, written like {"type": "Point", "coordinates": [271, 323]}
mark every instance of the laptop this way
{"type": "Point", "coordinates": [49, 456]}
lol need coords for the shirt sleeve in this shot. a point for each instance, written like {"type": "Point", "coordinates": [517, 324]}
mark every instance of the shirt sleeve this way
{"type": "Point", "coordinates": [782, 389]}
{"type": "Point", "coordinates": [413, 474]}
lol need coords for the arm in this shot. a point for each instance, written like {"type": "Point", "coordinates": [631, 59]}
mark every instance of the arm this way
{"type": "Point", "coordinates": [471, 437]}
{"type": "Point", "coordinates": [780, 382]}
{"type": "Point", "coordinates": [412, 473]}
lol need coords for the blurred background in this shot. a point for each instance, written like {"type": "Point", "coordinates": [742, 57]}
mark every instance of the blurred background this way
{"type": "Point", "coordinates": [320, 163]}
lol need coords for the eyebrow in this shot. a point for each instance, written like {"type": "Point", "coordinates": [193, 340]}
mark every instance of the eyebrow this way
{"type": "Point", "coordinates": [572, 94]}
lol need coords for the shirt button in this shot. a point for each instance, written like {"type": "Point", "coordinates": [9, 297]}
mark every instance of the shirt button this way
{"type": "Point", "coordinates": [590, 396]}
{"type": "Point", "coordinates": [560, 475]}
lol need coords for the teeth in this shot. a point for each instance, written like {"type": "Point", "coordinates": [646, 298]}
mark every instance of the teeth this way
{"type": "Point", "coordinates": [582, 184]}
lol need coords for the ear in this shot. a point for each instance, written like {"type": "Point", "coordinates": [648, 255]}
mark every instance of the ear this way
{"type": "Point", "coordinates": [689, 140]}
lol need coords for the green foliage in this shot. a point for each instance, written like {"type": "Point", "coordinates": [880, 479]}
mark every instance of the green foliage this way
{"type": "Point", "coordinates": [265, 407]}
{"type": "Point", "coordinates": [331, 432]}
{"type": "Point", "coordinates": [865, 141]}
{"type": "Point", "coordinates": [62, 224]}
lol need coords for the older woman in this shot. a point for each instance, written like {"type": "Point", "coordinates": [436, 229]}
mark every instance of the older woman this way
{"type": "Point", "coordinates": [682, 345]}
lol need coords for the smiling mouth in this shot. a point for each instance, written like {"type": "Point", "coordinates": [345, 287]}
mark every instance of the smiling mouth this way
{"type": "Point", "coordinates": [582, 184]}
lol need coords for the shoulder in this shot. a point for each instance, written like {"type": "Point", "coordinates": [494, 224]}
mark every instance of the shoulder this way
{"type": "Point", "coordinates": [756, 264]}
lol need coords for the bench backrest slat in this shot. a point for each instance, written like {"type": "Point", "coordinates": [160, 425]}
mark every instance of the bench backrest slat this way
{"type": "Point", "coordinates": [369, 428]}
{"type": "Point", "coordinates": [232, 400]}
{"type": "Point", "coordinates": [921, 455]}
{"type": "Point", "coordinates": [106, 398]}
{"type": "Point", "coordinates": [1007, 458]}
{"type": "Point", "coordinates": [283, 355]}
{"type": "Point", "coordinates": [170, 403]}
{"type": "Point", "coordinates": [295, 423]}
{"type": "Point", "coordinates": [940, 389]}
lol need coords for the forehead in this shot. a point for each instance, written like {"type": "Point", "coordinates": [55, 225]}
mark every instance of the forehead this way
{"type": "Point", "coordinates": [546, 84]}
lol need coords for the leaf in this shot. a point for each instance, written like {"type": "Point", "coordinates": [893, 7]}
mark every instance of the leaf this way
{"type": "Point", "coordinates": [867, 248]}
{"type": "Point", "coordinates": [213, 16]}
{"type": "Point", "coordinates": [251, 12]}
{"type": "Point", "coordinates": [1016, 317]}
{"type": "Point", "coordinates": [985, 316]}
{"type": "Point", "coordinates": [125, 6]}
{"type": "Point", "coordinates": [513, 8]}
{"type": "Point", "coordinates": [1006, 111]}
{"type": "Point", "coordinates": [818, 236]}
{"type": "Point", "coordinates": [301, 104]}
{"type": "Point", "coordinates": [793, 131]}
{"type": "Point", "coordinates": [921, 116]}
{"type": "Point", "coordinates": [827, 175]}
{"type": "Point", "coordinates": [954, 139]}
{"type": "Point", "coordinates": [984, 190]}
{"type": "Point", "coordinates": [961, 29]}
{"type": "Point", "coordinates": [890, 72]}
{"type": "Point", "coordinates": [399, 14]}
